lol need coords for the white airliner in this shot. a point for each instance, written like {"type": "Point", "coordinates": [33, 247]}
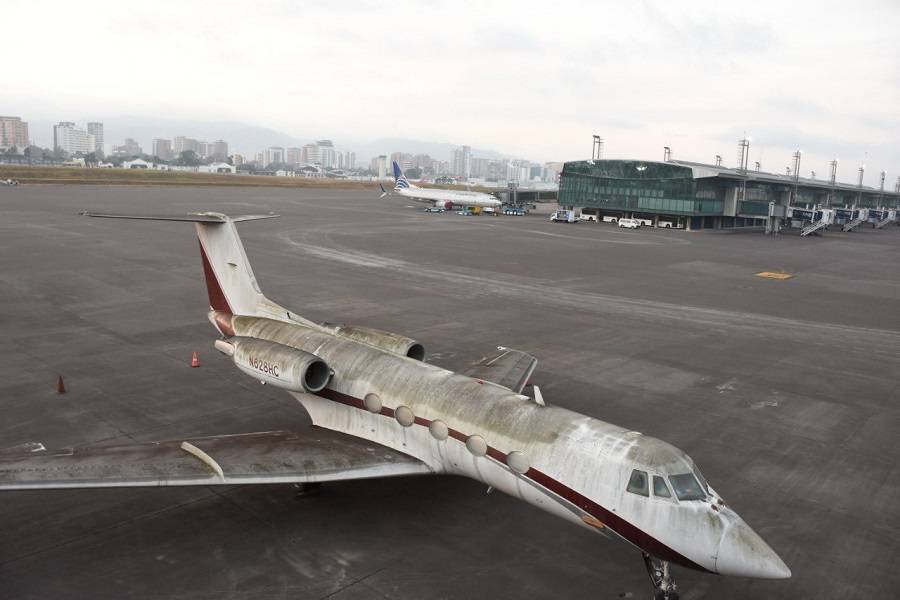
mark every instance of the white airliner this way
{"type": "Point", "coordinates": [374, 387]}
{"type": "Point", "coordinates": [440, 198]}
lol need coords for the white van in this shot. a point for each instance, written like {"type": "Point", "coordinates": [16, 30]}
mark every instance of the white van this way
{"type": "Point", "coordinates": [563, 216]}
{"type": "Point", "coordinates": [629, 223]}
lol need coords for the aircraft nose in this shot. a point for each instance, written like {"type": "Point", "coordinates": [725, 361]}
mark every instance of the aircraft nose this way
{"type": "Point", "coordinates": [743, 553]}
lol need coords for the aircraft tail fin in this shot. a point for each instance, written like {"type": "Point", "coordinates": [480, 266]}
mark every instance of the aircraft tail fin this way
{"type": "Point", "coordinates": [230, 282]}
{"type": "Point", "coordinates": [400, 180]}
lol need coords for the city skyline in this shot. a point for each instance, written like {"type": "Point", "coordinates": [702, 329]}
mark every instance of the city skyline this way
{"type": "Point", "coordinates": [77, 142]}
{"type": "Point", "coordinates": [148, 133]}
{"type": "Point", "coordinates": [321, 153]}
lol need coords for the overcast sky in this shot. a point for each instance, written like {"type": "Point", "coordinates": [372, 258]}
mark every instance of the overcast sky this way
{"type": "Point", "coordinates": [531, 81]}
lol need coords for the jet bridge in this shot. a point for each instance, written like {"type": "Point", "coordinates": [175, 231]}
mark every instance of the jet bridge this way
{"type": "Point", "coordinates": [843, 215]}
{"type": "Point", "coordinates": [881, 217]}
{"type": "Point", "coordinates": [890, 217]}
{"type": "Point", "coordinates": [811, 220]}
{"type": "Point", "coordinates": [860, 216]}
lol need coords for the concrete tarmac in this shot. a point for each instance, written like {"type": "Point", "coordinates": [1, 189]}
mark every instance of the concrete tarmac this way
{"type": "Point", "coordinates": [784, 392]}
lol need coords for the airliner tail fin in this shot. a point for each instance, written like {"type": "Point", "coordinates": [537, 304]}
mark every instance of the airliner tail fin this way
{"type": "Point", "coordinates": [400, 180]}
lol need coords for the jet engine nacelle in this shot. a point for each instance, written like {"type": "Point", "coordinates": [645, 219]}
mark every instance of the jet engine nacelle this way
{"type": "Point", "coordinates": [448, 205]}
{"type": "Point", "coordinates": [277, 364]}
{"type": "Point", "coordinates": [390, 342]}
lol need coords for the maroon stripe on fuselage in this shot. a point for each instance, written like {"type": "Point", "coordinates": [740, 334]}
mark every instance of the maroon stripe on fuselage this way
{"type": "Point", "coordinates": [617, 524]}
{"type": "Point", "coordinates": [217, 300]}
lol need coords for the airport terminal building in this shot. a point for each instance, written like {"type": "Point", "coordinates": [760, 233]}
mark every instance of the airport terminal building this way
{"type": "Point", "coordinates": [700, 196]}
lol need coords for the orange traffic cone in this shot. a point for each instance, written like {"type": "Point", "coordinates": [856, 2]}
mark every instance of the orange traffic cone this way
{"type": "Point", "coordinates": [60, 386]}
{"type": "Point", "coordinates": [195, 362]}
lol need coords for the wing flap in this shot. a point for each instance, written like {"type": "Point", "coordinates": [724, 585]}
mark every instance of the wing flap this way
{"type": "Point", "coordinates": [253, 458]}
{"type": "Point", "coordinates": [510, 368]}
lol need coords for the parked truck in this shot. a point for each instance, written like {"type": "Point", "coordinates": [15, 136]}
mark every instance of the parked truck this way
{"type": "Point", "coordinates": [563, 216]}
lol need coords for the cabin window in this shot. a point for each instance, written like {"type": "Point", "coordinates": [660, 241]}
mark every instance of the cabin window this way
{"type": "Point", "coordinates": [638, 483]}
{"type": "Point", "coordinates": [660, 489]}
{"type": "Point", "coordinates": [687, 487]}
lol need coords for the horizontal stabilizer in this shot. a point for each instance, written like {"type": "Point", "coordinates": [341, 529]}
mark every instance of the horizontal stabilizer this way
{"type": "Point", "coordinates": [204, 217]}
{"type": "Point", "coordinates": [510, 368]}
{"type": "Point", "coordinates": [269, 457]}
{"type": "Point", "coordinates": [230, 283]}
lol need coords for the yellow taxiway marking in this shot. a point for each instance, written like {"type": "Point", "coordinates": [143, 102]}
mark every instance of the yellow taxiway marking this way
{"type": "Point", "coordinates": [771, 275]}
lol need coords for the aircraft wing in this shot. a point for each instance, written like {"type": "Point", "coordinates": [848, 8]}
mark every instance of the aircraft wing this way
{"type": "Point", "coordinates": [509, 368]}
{"type": "Point", "coordinates": [267, 457]}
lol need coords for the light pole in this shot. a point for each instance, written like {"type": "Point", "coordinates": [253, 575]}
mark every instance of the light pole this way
{"type": "Point", "coordinates": [862, 172]}
{"type": "Point", "coordinates": [597, 150]}
{"type": "Point", "coordinates": [834, 165]}
{"type": "Point", "coordinates": [743, 158]}
{"type": "Point", "coordinates": [796, 191]}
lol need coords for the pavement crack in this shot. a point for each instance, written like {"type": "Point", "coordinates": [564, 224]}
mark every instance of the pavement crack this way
{"type": "Point", "coordinates": [355, 582]}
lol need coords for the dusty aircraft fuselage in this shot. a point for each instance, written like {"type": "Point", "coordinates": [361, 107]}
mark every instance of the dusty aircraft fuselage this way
{"type": "Point", "coordinates": [568, 464]}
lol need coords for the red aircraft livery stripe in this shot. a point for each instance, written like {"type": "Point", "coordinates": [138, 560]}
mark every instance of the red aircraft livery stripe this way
{"type": "Point", "coordinates": [617, 524]}
{"type": "Point", "coordinates": [217, 300]}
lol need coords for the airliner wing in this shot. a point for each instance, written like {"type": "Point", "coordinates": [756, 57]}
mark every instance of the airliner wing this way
{"type": "Point", "coordinates": [509, 368]}
{"type": "Point", "coordinates": [252, 458]}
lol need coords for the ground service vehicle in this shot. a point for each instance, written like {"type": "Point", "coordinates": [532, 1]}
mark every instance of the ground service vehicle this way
{"type": "Point", "coordinates": [563, 216]}
{"type": "Point", "coordinates": [629, 223]}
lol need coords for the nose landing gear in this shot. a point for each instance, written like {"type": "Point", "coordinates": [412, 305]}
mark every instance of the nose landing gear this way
{"type": "Point", "coordinates": [662, 579]}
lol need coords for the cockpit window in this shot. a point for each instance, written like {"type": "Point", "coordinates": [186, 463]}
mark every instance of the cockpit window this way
{"type": "Point", "coordinates": [638, 483]}
{"type": "Point", "coordinates": [687, 487]}
{"type": "Point", "coordinates": [660, 489]}
{"type": "Point", "coordinates": [701, 479]}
